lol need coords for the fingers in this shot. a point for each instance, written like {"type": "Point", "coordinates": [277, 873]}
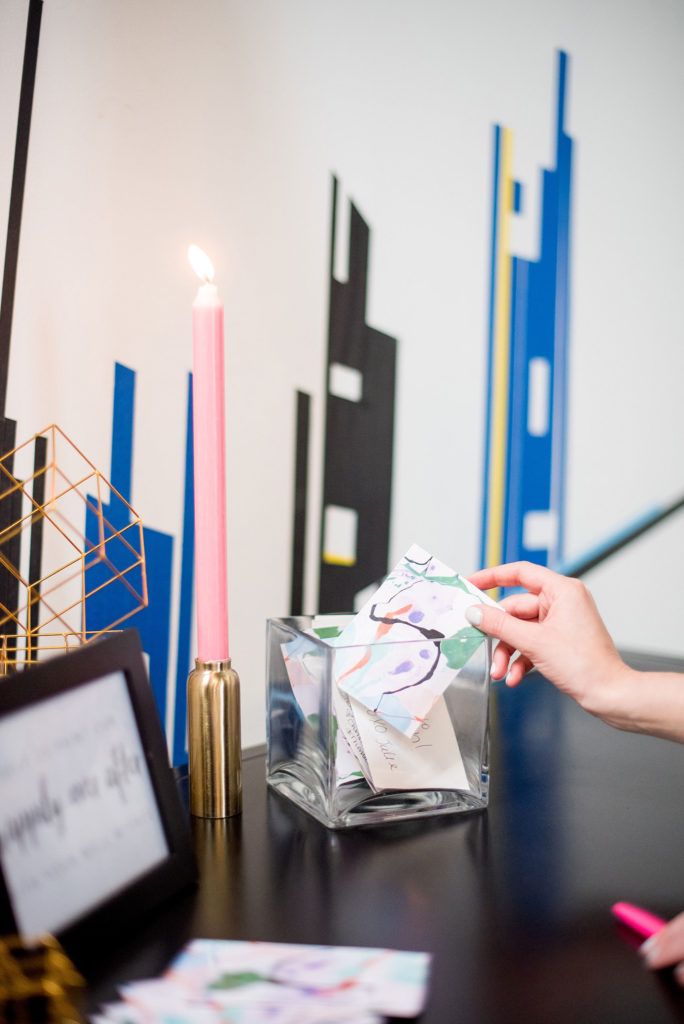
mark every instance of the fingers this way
{"type": "Point", "coordinates": [500, 660]}
{"type": "Point", "coordinates": [506, 661]}
{"type": "Point", "coordinates": [515, 633]}
{"type": "Point", "coordinates": [524, 606]}
{"type": "Point", "coordinates": [514, 574]}
{"type": "Point", "coordinates": [666, 948]}
{"type": "Point", "coordinates": [520, 667]}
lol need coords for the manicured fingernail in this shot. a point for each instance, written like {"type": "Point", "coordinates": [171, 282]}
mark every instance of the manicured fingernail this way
{"type": "Point", "coordinates": [648, 949]}
{"type": "Point", "coordinates": [473, 614]}
{"type": "Point", "coordinates": [498, 671]}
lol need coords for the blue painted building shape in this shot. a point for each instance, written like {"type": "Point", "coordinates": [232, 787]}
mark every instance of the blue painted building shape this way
{"type": "Point", "coordinates": [110, 604]}
{"type": "Point", "coordinates": [525, 462]}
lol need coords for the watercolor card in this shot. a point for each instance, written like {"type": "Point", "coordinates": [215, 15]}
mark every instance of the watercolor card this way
{"type": "Point", "coordinates": [225, 982]}
{"type": "Point", "coordinates": [388, 982]}
{"type": "Point", "coordinates": [429, 759]}
{"type": "Point", "coordinates": [409, 641]}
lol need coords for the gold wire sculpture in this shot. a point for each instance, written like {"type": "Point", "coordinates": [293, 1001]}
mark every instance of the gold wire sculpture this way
{"type": "Point", "coordinates": [48, 567]}
{"type": "Point", "coordinates": [38, 982]}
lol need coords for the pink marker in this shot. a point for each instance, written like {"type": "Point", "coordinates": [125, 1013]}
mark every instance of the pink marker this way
{"type": "Point", "coordinates": [640, 921]}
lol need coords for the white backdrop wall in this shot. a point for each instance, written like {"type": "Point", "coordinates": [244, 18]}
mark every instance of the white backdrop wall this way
{"type": "Point", "coordinates": [221, 122]}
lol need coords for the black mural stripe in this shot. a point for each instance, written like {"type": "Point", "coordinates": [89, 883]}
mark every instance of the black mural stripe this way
{"type": "Point", "coordinates": [359, 436]}
{"type": "Point", "coordinates": [10, 513]}
{"type": "Point", "coordinates": [333, 228]}
{"type": "Point", "coordinates": [28, 78]}
{"type": "Point", "coordinates": [37, 521]}
{"type": "Point", "coordinates": [301, 490]}
{"type": "Point", "coordinates": [331, 307]}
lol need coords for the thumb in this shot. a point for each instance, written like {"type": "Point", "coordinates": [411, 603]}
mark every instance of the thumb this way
{"type": "Point", "coordinates": [497, 622]}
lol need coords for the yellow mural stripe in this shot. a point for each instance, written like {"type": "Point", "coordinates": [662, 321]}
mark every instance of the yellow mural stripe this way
{"type": "Point", "coordinates": [331, 559]}
{"type": "Point", "coordinates": [501, 357]}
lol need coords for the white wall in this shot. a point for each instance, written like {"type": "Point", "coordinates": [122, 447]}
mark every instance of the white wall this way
{"type": "Point", "coordinates": [160, 123]}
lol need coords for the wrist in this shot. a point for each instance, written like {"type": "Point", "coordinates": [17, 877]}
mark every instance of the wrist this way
{"type": "Point", "coordinates": [646, 702]}
{"type": "Point", "coordinates": [614, 698]}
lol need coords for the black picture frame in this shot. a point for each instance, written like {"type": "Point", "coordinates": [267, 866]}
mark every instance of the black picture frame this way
{"type": "Point", "coordinates": [117, 662]}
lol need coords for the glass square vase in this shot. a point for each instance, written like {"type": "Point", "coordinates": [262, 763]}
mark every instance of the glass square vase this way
{"type": "Point", "coordinates": [310, 762]}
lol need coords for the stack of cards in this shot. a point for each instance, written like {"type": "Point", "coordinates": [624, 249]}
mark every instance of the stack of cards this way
{"type": "Point", "coordinates": [393, 662]}
{"type": "Point", "coordinates": [220, 982]}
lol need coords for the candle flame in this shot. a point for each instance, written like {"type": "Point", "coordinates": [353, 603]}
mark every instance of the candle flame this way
{"type": "Point", "coordinates": [201, 264]}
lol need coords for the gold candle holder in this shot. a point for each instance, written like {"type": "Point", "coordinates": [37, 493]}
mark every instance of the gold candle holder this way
{"type": "Point", "coordinates": [214, 746]}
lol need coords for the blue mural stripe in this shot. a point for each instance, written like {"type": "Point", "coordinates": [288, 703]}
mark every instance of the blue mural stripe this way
{"type": "Point", "coordinates": [112, 601]}
{"type": "Point", "coordinates": [564, 165]}
{"type": "Point", "coordinates": [534, 499]}
{"type": "Point", "coordinates": [516, 419]}
{"type": "Point", "coordinates": [184, 660]}
{"type": "Point", "coordinates": [490, 342]}
{"type": "Point", "coordinates": [613, 543]}
{"type": "Point", "coordinates": [517, 197]}
{"type": "Point", "coordinates": [122, 431]}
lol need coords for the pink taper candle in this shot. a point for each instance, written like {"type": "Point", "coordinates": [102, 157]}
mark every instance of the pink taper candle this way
{"type": "Point", "coordinates": [211, 565]}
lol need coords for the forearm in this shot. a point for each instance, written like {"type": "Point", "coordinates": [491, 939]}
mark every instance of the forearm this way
{"type": "Point", "coordinates": [648, 702]}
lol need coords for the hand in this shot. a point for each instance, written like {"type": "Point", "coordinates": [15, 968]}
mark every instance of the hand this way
{"type": "Point", "coordinates": [555, 626]}
{"type": "Point", "coordinates": [666, 948]}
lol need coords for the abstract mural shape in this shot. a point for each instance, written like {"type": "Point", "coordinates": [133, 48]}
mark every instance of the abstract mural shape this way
{"type": "Point", "coordinates": [524, 486]}
{"type": "Point", "coordinates": [359, 434]}
{"type": "Point", "coordinates": [154, 621]}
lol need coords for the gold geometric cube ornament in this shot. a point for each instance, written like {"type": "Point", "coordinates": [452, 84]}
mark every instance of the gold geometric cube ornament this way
{"type": "Point", "coordinates": [51, 495]}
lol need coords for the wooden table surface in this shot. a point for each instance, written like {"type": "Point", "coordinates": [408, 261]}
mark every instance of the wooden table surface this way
{"type": "Point", "coordinates": [513, 902]}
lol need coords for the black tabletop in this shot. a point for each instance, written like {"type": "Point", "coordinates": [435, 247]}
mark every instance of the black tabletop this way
{"type": "Point", "coordinates": [513, 902]}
